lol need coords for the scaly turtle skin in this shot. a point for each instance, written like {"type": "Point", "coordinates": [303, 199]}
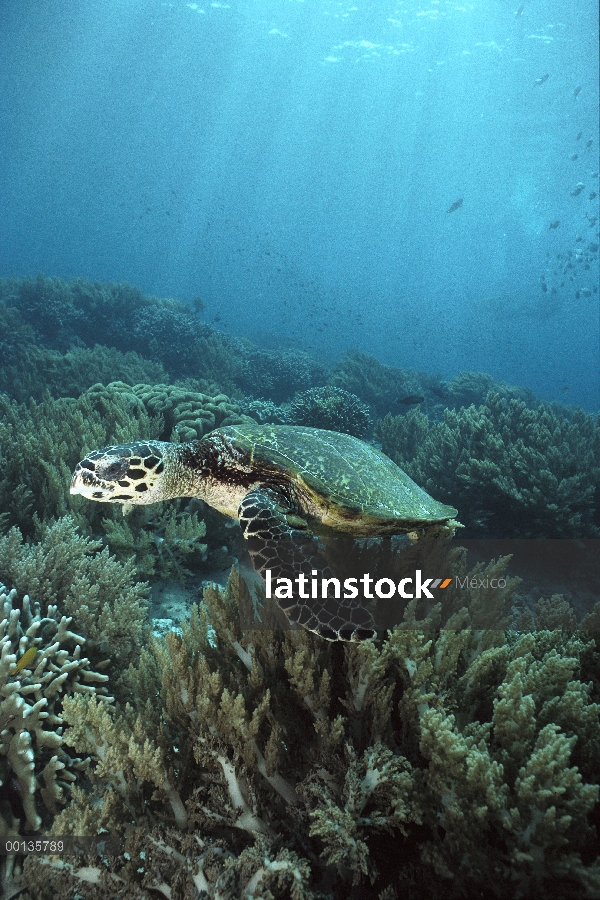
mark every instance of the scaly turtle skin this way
{"type": "Point", "coordinates": [285, 485]}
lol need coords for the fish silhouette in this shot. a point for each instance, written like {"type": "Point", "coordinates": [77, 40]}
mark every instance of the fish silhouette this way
{"type": "Point", "coordinates": [411, 400]}
{"type": "Point", "coordinates": [456, 205]}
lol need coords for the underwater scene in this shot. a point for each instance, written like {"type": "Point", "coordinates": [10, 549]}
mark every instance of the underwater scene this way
{"type": "Point", "coordinates": [299, 450]}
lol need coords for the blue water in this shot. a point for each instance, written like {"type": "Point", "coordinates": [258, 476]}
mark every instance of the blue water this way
{"type": "Point", "coordinates": [292, 162]}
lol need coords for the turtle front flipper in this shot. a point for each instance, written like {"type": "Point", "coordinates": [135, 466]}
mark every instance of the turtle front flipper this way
{"type": "Point", "coordinates": [280, 543]}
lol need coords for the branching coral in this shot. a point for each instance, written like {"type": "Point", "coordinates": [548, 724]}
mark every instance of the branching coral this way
{"type": "Point", "coordinates": [472, 388]}
{"type": "Point", "coordinates": [511, 471]}
{"type": "Point", "coordinates": [263, 763]}
{"type": "Point", "coordinates": [41, 664]}
{"type": "Point", "coordinates": [162, 539]}
{"type": "Point", "coordinates": [106, 602]}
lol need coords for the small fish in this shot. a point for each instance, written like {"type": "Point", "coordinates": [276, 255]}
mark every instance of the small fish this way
{"type": "Point", "coordinates": [574, 157]}
{"type": "Point", "coordinates": [589, 143]}
{"type": "Point", "coordinates": [576, 91]}
{"type": "Point", "coordinates": [577, 190]}
{"type": "Point", "coordinates": [411, 400]}
{"type": "Point", "coordinates": [593, 195]}
{"type": "Point", "coordinates": [520, 11]}
{"type": "Point", "coordinates": [542, 79]}
{"type": "Point", "coordinates": [25, 660]}
{"type": "Point", "coordinates": [544, 286]}
{"type": "Point", "coordinates": [578, 138]}
{"type": "Point", "coordinates": [554, 225]}
{"type": "Point", "coordinates": [456, 205]}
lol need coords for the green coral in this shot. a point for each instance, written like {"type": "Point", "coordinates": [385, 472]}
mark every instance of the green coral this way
{"type": "Point", "coordinates": [187, 415]}
{"type": "Point", "coordinates": [40, 444]}
{"type": "Point", "coordinates": [511, 471]}
{"type": "Point", "coordinates": [30, 371]}
{"type": "Point", "coordinates": [101, 594]}
{"type": "Point", "coordinates": [331, 408]}
{"type": "Point", "coordinates": [160, 538]}
{"type": "Point", "coordinates": [271, 761]}
{"type": "Point", "coordinates": [162, 329]}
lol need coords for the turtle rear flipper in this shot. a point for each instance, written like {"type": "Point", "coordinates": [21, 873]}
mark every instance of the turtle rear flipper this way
{"type": "Point", "coordinates": [286, 552]}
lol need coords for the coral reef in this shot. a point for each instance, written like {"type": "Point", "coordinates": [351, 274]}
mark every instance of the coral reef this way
{"type": "Point", "coordinates": [30, 371]}
{"type": "Point", "coordinates": [187, 415]}
{"type": "Point", "coordinates": [267, 763]}
{"type": "Point", "coordinates": [331, 408]}
{"type": "Point", "coordinates": [100, 594]}
{"type": "Point", "coordinates": [278, 374]}
{"type": "Point", "coordinates": [41, 664]}
{"type": "Point", "coordinates": [63, 314]}
{"type": "Point", "coordinates": [46, 304]}
{"type": "Point", "coordinates": [472, 388]}
{"type": "Point", "coordinates": [382, 387]}
{"type": "Point", "coordinates": [265, 412]}
{"type": "Point", "coordinates": [40, 443]}
{"type": "Point", "coordinates": [510, 471]}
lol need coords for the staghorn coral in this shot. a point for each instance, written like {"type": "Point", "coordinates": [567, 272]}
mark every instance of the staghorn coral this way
{"type": "Point", "coordinates": [100, 594]}
{"type": "Point", "coordinates": [511, 471]}
{"type": "Point", "coordinates": [268, 763]}
{"type": "Point", "coordinates": [331, 408]}
{"type": "Point", "coordinates": [36, 770]}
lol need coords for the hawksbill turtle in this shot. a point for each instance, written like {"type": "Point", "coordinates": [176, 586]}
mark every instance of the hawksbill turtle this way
{"type": "Point", "coordinates": [285, 485]}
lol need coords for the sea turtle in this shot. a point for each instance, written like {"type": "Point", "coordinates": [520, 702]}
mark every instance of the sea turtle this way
{"type": "Point", "coordinates": [285, 485]}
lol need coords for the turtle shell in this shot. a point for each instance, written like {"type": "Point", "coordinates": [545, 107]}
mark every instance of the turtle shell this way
{"type": "Point", "coordinates": [341, 481]}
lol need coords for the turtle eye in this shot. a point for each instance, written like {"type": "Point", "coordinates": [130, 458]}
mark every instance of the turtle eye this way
{"type": "Point", "coordinates": [114, 470]}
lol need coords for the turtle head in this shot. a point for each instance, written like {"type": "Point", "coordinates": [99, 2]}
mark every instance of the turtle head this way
{"type": "Point", "coordinates": [127, 474]}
